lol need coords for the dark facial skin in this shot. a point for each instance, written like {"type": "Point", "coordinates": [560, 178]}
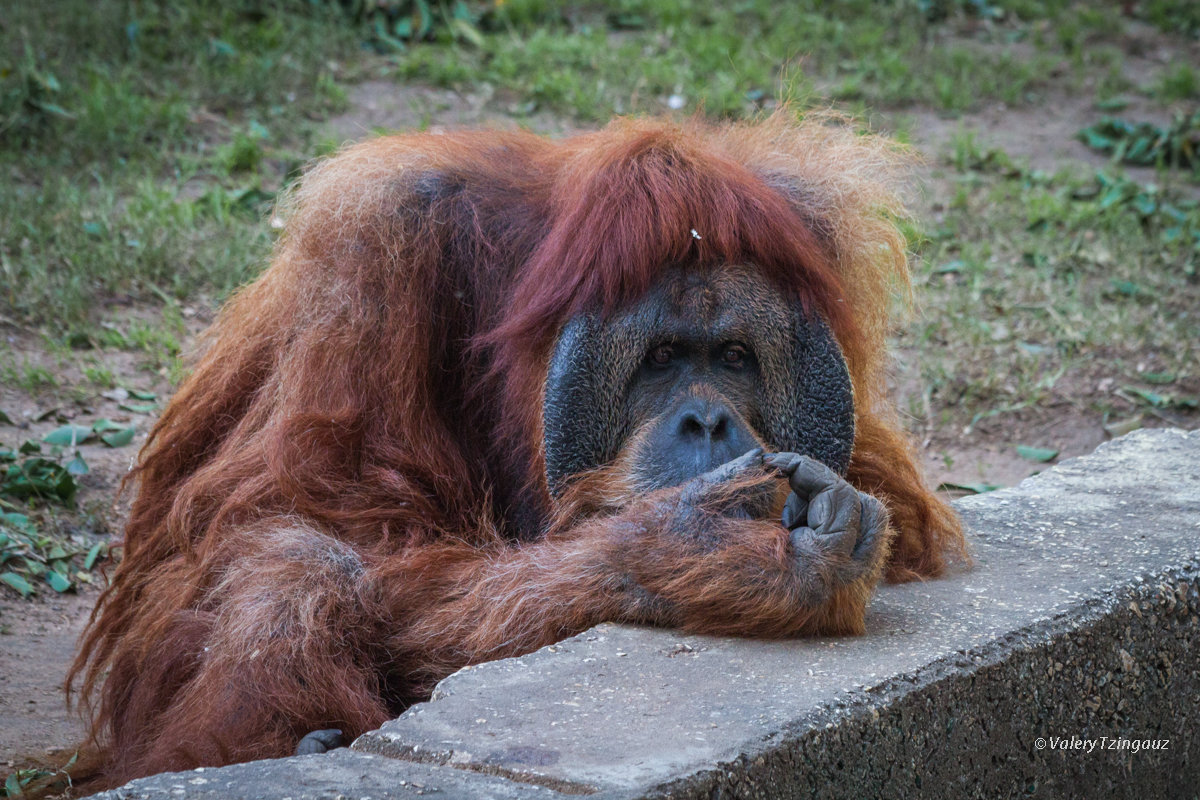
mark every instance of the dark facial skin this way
{"type": "Point", "coordinates": [692, 397]}
{"type": "Point", "coordinates": [706, 366]}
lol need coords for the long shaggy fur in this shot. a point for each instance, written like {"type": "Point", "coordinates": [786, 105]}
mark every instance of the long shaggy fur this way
{"type": "Point", "coordinates": [346, 500]}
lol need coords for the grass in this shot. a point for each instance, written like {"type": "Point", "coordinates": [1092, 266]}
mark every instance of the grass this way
{"type": "Point", "coordinates": [141, 144]}
{"type": "Point", "coordinates": [25, 375]}
{"type": "Point", "coordinates": [1179, 83]}
{"type": "Point", "coordinates": [727, 58]}
{"type": "Point", "coordinates": [1033, 281]}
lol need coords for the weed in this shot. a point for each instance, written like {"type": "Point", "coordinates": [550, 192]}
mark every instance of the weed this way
{"type": "Point", "coordinates": [27, 375]}
{"type": "Point", "coordinates": [1172, 16]}
{"type": "Point", "coordinates": [1146, 144]}
{"type": "Point", "coordinates": [1180, 82]}
{"type": "Point", "coordinates": [99, 375]}
{"type": "Point", "coordinates": [40, 475]}
{"type": "Point", "coordinates": [244, 153]}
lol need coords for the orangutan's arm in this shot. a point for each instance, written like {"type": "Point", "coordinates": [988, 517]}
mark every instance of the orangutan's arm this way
{"type": "Point", "coordinates": [682, 557]}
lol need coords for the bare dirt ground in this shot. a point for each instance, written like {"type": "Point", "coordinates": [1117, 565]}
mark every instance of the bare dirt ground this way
{"type": "Point", "coordinates": [37, 637]}
{"type": "Point", "coordinates": [36, 648]}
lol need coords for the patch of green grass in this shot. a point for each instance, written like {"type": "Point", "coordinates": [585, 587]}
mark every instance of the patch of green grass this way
{"type": "Point", "coordinates": [1179, 82]}
{"type": "Point", "coordinates": [1172, 16]}
{"type": "Point", "coordinates": [142, 144]}
{"type": "Point", "coordinates": [727, 58]}
{"type": "Point", "coordinates": [105, 79]}
{"type": "Point", "coordinates": [159, 341]}
{"type": "Point", "coordinates": [99, 375]}
{"type": "Point", "coordinates": [25, 374]}
{"type": "Point", "coordinates": [1064, 280]}
{"type": "Point", "coordinates": [136, 152]}
{"type": "Point", "coordinates": [71, 243]}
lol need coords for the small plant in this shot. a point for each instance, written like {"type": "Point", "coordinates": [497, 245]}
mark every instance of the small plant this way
{"type": "Point", "coordinates": [1176, 219]}
{"type": "Point", "coordinates": [397, 23]}
{"type": "Point", "coordinates": [29, 474]}
{"type": "Point", "coordinates": [30, 98]}
{"type": "Point", "coordinates": [28, 376]}
{"type": "Point", "coordinates": [244, 154]}
{"type": "Point", "coordinates": [20, 780]}
{"type": "Point", "coordinates": [100, 375]}
{"type": "Point", "coordinates": [1179, 83]}
{"type": "Point", "coordinates": [1146, 144]}
{"type": "Point", "coordinates": [29, 555]}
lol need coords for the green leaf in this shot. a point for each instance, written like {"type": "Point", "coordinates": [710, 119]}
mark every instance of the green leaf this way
{"type": "Point", "coordinates": [53, 108]}
{"type": "Point", "coordinates": [105, 425]}
{"type": "Point", "coordinates": [12, 784]}
{"type": "Point", "coordinates": [466, 31]}
{"type": "Point", "coordinates": [119, 438]}
{"type": "Point", "coordinates": [382, 36]}
{"type": "Point", "coordinates": [1127, 288]}
{"type": "Point", "coordinates": [21, 585]}
{"type": "Point", "coordinates": [59, 583]}
{"type": "Point", "coordinates": [77, 466]}
{"type": "Point", "coordinates": [1038, 454]}
{"type": "Point", "coordinates": [140, 395]}
{"type": "Point", "coordinates": [139, 408]}
{"type": "Point", "coordinates": [38, 477]}
{"type": "Point", "coordinates": [220, 47]}
{"type": "Point", "coordinates": [1120, 427]}
{"type": "Point", "coordinates": [29, 447]}
{"type": "Point", "coordinates": [1145, 204]}
{"type": "Point", "coordinates": [974, 488]}
{"type": "Point", "coordinates": [18, 521]}
{"type": "Point", "coordinates": [93, 555]}
{"type": "Point", "coordinates": [1158, 378]}
{"type": "Point", "coordinates": [68, 435]}
{"type": "Point", "coordinates": [425, 15]}
{"type": "Point", "coordinates": [1095, 140]}
{"type": "Point", "coordinates": [1112, 196]}
{"type": "Point", "coordinates": [5, 419]}
{"type": "Point", "coordinates": [1153, 398]}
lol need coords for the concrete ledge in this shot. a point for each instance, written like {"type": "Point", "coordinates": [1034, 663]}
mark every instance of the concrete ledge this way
{"type": "Point", "coordinates": [1078, 622]}
{"type": "Point", "coordinates": [341, 774]}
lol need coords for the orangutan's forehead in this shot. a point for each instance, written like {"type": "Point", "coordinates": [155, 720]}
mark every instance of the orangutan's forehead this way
{"type": "Point", "coordinates": [714, 297]}
{"type": "Point", "coordinates": [703, 303]}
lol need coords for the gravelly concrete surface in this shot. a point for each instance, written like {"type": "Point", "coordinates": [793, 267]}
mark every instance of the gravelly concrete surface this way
{"type": "Point", "coordinates": [340, 774]}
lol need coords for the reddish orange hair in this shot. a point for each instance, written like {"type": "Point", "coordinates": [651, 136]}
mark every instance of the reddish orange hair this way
{"type": "Point", "coordinates": [362, 436]}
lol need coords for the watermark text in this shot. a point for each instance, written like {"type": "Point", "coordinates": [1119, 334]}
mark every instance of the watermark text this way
{"type": "Point", "coordinates": [1091, 744]}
